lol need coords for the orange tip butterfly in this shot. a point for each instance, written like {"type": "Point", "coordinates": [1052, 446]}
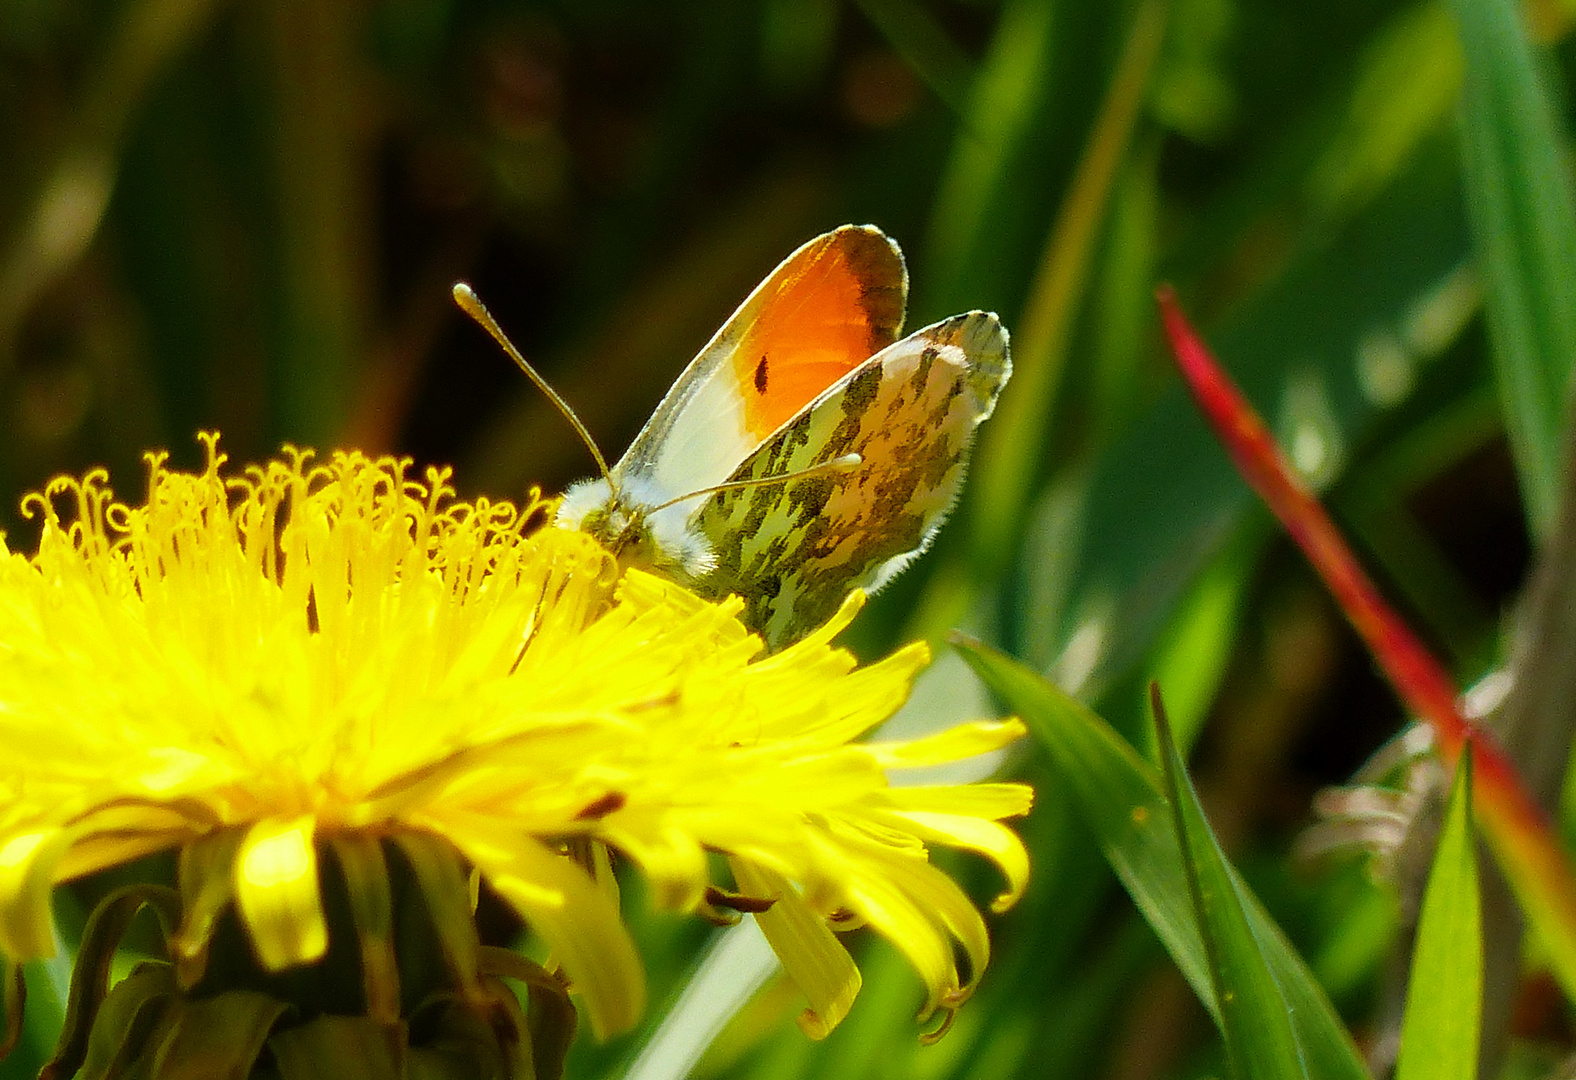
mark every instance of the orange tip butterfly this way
{"type": "Point", "coordinates": [806, 451]}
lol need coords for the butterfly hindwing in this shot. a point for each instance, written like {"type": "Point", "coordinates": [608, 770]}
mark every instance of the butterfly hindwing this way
{"type": "Point", "coordinates": [794, 550]}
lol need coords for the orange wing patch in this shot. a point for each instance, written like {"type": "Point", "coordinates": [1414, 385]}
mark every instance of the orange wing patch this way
{"type": "Point", "coordinates": [834, 305]}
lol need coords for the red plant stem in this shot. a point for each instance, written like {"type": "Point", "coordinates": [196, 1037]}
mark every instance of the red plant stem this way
{"type": "Point", "coordinates": [1422, 683]}
{"type": "Point", "coordinates": [1537, 865]}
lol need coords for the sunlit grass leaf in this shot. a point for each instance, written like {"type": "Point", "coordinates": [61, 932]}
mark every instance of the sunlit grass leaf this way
{"type": "Point", "coordinates": [1012, 448]}
{"type": "Point", "coordinates": [1004, 99]}
{"type": "Point", "coordinates": [1439, 1035]}
{"type": "Point", "coordinates": [1252, 1012]}
{"type": "Point", "coordinates": [1121, 799]}
{"type": "Point", "coordinates": [1404, 89]}
{"type": "Point", "coordinates": [1163, 500]}
{"type": "Point", "coordinates": [1524, 218]}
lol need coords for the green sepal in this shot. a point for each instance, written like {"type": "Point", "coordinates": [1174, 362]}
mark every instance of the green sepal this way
{"type": "Point", "coordinates": [126, 1020]}
{"type": "Point", "coordinates": [207, 884]}
{"type": "Point", "coordinates": [445, 892]}
{"type": "Point", "coordinates": [91, 973]}
{"type": "Point", "coordinates": [372, 910]}
{"type": "Point", "coordinates": [465, 1040]}
{"type": "Point", "coordinates": [217, 1038]}
{"type": "Point", "coordinates": [510, 1028]}
{"type": "Point", "coordinates": [343, 1048]}
{"type": "Point", "coordinates": [550, 1015]}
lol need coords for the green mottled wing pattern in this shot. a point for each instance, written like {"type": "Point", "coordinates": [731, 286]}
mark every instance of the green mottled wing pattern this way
{"type": "Point", "coordinates": [794, 550]}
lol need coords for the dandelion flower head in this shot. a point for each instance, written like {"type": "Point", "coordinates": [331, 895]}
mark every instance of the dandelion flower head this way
{"type": "Point", "coordinates": [304, 663]}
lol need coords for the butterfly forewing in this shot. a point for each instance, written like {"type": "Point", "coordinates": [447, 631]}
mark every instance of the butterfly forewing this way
{"type": "Point", "coordinates": [825, 310]}
{"type": "Point", "coordinates": [794, 550]}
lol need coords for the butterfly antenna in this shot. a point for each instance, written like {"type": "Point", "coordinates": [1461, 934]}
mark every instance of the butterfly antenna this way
{"type": "Point", "coordinates": [846, 463]}
{"type": "Point", "coordinates": [472, 305]}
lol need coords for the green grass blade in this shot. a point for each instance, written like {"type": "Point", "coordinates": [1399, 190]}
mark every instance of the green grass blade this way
{"type": "Point", "coordinates": [322, 247]}
{"type": "Point", "coordinates": [68, 209]}
{"type": "Point", "coordinates": [1120, 797]}
{"type": "Point", "coordinates": [1260, 1042]}
{"type": "Point", "coordinates": [1439, 1034]}
{"type": "Point", "coordinates": [1162, 499]}
{"type": "Point", "coordinates": [1004, 98]}
{"type": "Point", "coordinates": [1524, 221]}
{"type": "Point", "coordinates": [1013, 448]}
{"type": "Point", "coordinates": [925, 46]}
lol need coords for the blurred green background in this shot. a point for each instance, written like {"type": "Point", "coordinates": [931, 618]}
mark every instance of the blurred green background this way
{"type": "Point", "coordinates": [247, 217]}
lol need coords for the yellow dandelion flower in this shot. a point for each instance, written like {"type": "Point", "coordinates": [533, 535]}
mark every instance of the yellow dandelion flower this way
{"type": "Point", "coordinates": [329, 686]}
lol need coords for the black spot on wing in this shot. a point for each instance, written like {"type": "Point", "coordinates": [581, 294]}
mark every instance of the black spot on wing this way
{"type": "Point", "coordinates": [760, 376]}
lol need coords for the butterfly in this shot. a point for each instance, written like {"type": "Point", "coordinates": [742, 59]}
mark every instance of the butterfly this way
{"type": "Point", "coordinates": [805, 451]}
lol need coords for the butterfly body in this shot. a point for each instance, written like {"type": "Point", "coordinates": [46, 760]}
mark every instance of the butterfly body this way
{"type": "Point", "coordinates": [638, 534]}
{"type": "Point", "coordinates": [805, 375]}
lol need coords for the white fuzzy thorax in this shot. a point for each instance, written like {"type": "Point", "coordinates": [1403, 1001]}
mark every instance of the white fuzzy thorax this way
{"type": "Point", "coordinates": [583, 497]}
{"type": "Point", "coordinates": [662, 540]}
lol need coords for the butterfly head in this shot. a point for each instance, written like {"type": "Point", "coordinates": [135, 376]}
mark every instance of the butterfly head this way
{"type": "Point", "coordinates": [661, 540]}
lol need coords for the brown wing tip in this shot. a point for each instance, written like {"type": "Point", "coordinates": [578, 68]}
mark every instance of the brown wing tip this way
{"type": "Point", "coordinates": [877, 264]}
